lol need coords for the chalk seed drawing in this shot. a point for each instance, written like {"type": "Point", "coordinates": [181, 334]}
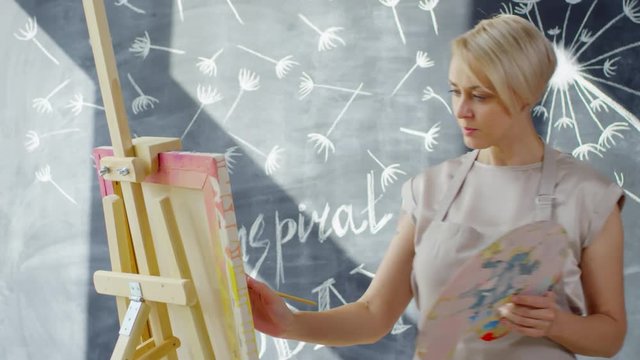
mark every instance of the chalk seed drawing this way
{"type": "Point", "coordinates": [142, 46]}
{"type": "Point", "coordinates": [328, 38]}
{"type": "Point", "coordinates": [77, 104]}
{"type": "Point", "coordinates": [282, 66]}
{"type": "Point", "coordinates": [321, 142]}
{"type": "Point", "coordinates": [142, 102]}
{"type": "Point", "coordinates": [430, 5]}
{"type": "Point", "coordinates": [208, 65]}
{"type": "Point", "coordinates": [389, 173]}
{"type": "Point", "coordinates": [620, 181]}
{"type": "Point", "coordinates": [29, 33]}
{"type": "Point", "coordinates": [126, 3]}
{"type": "Point", "coordinates": [429, 94]}
{"type": "Point", "coordinates": [422, 60]}
{"type": "Point", "coordinates": [392, 4]}
{"type": "Point", "coordinates": [229, 155]}
{"type": "Point", "coordinates": [573, 83]}
{"type": "Point", "coordinates": [429, 137]}
{"type": "Point", "coordinates": [44, 175]}
{"type": "Point", "coordinates": [307, 85]}
{"type": "Point", "coordinates": [42, 105]}
{"type": "Point", "coordinates": [180, 10]}
{"type": "Point", "coordinates": [206, 96]}
{"type": "Point", "coordinates": [249, 81]}
{"type": "Point", "coordinates": [33, 139]}
{"type": "Point", "coordinates": [399, 327]}
{"type": "Point", "coordinates": [272, 162]}
{"type": "Point", "coordinates": [235, 12]}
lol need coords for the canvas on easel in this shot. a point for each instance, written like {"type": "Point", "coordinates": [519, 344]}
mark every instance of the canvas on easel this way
{"type": "Point", "coordinates": [177, 268]}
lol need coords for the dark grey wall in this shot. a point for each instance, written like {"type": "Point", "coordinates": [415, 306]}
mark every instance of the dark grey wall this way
{"type": "Point", "coordinates": [295, 217]}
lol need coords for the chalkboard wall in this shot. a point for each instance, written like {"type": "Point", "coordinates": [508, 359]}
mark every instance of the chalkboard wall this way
{"type": "Point", "coordinates": [323, 108]}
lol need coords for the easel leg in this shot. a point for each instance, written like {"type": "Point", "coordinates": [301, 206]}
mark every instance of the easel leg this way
{"type": "Point", "coordinates": [136, 319]}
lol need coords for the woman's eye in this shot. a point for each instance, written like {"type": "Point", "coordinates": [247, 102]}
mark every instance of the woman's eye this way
{"type": "Point", "coordinates": [479, 96]}
{"type": "Point", "coordinates": [455, 92]}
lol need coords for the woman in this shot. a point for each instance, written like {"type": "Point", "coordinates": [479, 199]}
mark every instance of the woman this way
{"type": "Point", "coordinates": [498, 72]}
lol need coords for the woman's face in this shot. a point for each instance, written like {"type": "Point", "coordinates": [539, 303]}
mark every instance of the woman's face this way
{"type": "Point", "coordinates": [483, 119]}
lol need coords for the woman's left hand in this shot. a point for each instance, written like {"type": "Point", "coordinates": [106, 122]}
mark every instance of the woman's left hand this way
{"type": "Point", "coordinates": [530, 315]}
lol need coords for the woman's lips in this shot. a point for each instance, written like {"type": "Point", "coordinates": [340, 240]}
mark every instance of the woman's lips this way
{"type": "Point", "coordinates": [468, 131]}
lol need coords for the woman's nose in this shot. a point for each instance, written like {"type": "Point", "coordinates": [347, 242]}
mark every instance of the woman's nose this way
{"type": "Point", "coordinates": [463, 109]}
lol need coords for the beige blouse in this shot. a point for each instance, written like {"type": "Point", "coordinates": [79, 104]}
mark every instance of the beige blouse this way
{"type": "Point", "coordinates": [494, 200]}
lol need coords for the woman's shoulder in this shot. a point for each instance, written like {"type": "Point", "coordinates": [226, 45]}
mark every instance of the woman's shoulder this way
{"type": "Point", "coordinates": [579, 174]}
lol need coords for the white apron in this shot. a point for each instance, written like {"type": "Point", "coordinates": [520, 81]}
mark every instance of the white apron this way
{"type": "Point", "coordinates": [446, 246]}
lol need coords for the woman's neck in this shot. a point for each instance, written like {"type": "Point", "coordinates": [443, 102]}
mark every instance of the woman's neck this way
{"type": "Point", "coordinates": [521, 151]}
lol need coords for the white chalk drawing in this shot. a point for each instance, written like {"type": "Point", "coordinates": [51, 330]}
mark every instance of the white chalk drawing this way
{"type": "Point", "coordinates": [428, 94]}
{"type": "Point", "coordinates": [392, 4]}
{"type": "Point", "coordinates": [29, 33]}
{"type": "Point", "coordinates": [252, 239]}
{"type": "Point", "coordinates": [399, 327]}
{"type": "Point", "coordinates": [574, 82]}
{"type": "Point", "coordinates": [322, 142]}
{"type": "Point", "coordinates": [272, 160]}
{"type": "Point", "coordinates": [208, 66]}
{"type": "Point", "coordinates": [341, 222]}
{"type": "Point", "coordinates": [78, 103]}
{"type": "Point", "coordinates": [422, 60]}
{"type": "Point", "coordinates": [33, 138]}
{"type": "Point", "coordinates": [429, 137]}
{"type": "Point", "coordinates": [142, 46]}
{"type": "Point", "coordinates": [283, 65]}
{"type": "Point", "coordinates": [324, 294]}
{"type": "Point", "coordinates": [307, 85]}
{"type": "Point", "coordinates": [42, 105]}
{"type": "Point", "coordinates": [180, 10]}
{"type": "Point", "coordinates": [620, 181]}
{"type": "Point", "coordinates": [127, 4]}
{"type": "Point", "coordinates": [248, 81]}
{"type": "Point", "coordinates": [631, 270]}
{"type": "Point", "coordinates": [328, 38]}
{"type": "Point", "coordinates": [389, 173]}
{"type": "Point", "coordinates": [430, 5]}
{"type": "Point", "coordinates": [229, 155]}
{"type": "Point", "coordinates": [44, 175]}
{"type": "Point", "coordinates": [142, 102]}
{"type": "Point", "coordinates": [360, 270]}
{"type": "Point", "coordinates": [206, 96]}
{"type": "Point", "coordinates": [235, 12]}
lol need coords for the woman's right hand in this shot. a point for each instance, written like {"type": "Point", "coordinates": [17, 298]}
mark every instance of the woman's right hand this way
{"type": "Point", "coordinates": [271, 315]}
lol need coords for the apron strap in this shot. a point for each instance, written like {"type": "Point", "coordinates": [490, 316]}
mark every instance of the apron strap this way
{"type": "Point", "coordinates": [455, 185]}
{"type": "Point", "coordinates": [545, 197]}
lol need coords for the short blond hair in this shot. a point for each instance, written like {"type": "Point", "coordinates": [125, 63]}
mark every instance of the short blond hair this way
{"type": "Point", "coordinates": [510, 57]}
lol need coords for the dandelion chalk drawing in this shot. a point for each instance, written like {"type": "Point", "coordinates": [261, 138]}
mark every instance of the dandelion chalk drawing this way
{"type": "Point", "coordinates": [307, 85]}
{"type": "Point", "coordinates": [43, 105]}
{"type": "Point", "coordinates": [526, 260]}
{"type": "Point", "coordinates": [573, 85]}
{"type": "Point", "coordinates": [208, 66]}
{"type": "Point", "coordinates": [429, 137]}
{"type": "Point", "coordinates": [283, 66]}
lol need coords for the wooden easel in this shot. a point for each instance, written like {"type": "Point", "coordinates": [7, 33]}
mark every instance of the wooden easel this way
{"type": "Point", "coordinates": [180, 287]}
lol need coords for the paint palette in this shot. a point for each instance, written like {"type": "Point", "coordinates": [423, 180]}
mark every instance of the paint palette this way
{"type": "Point", "coordinates": [526, 260]}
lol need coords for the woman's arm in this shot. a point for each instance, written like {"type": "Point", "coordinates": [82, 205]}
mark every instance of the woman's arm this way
{"type": "Point", "coordinates": [364, 321]}
{"type": "Point", "coordinates": [602, 331]}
